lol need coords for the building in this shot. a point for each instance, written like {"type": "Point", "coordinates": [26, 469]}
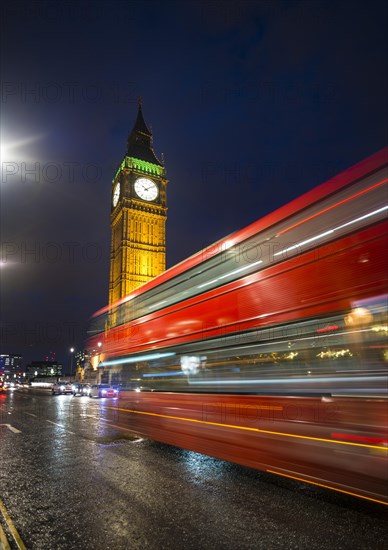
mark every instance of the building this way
{"type": "Point", "coordinates": [44, 369]}
{"type": "Point", "coordinates": [138, 215]}
{"type": "Point", "coordinates": [11, 366]}
{"type": "Point", "coordinates": [84, 371]}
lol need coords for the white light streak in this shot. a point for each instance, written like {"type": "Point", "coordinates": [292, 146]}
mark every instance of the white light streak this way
{"type": "Point", "coordinates": [249, 266]}
{"type": "Point", "coordinates": [363, 217]}
{"type": "Point", "coordinates": [147, 357]}
{"type": "Point", "coordinates": [330, 231]}
{"type": "Point", "coordinates": [307, 241]}
{"type": "Point", "coordinates": [288, 381]}
{"type": "Point", "coordinates": [157, 304]}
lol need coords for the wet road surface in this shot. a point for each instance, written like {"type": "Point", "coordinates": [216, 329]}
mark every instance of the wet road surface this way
{"type": "Point", "coordinates": [70, 478]}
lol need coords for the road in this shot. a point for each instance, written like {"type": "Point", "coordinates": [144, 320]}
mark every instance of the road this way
{"type": "Point", "coordinates": [70, 478]}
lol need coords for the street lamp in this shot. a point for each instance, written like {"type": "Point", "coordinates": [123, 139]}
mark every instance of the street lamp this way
{"type": "Point", "coordinates": [71, 362]}
{"type": "Point", "coordinates": [99, 344]}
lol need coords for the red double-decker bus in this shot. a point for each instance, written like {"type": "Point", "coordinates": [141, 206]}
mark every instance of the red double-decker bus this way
{"type": "Point", "coordinates": [269, 348]}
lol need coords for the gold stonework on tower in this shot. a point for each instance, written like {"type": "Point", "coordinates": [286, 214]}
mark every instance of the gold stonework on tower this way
{"type": "Point", "coordinates": [138, 215]}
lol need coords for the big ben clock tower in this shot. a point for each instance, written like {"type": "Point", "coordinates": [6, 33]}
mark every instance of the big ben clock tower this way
{"type": "Point", "coordinates": [138, 215]}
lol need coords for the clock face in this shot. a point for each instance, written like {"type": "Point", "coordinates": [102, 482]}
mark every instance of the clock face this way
{"type": "Point", "coordinates": [146, 189]}
{"type": "Point", "coordinates": [116, 194]}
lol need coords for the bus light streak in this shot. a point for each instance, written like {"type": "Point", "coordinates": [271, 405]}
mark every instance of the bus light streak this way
{"type": "Point", "coordinates": [290, 311]}
{"type": "Point", "coordinates": [246, 428]}
{"type": "Point", "coordinates": [351, 493]}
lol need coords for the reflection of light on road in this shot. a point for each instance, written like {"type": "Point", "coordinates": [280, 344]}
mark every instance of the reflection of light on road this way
{"type": "Point", "coordinates": [60, 426]}
{"type": "Point", "coordinates": [203, 467]}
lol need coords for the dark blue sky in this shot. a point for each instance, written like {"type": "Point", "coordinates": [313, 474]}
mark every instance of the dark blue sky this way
{"type": "Point", "coordinates": [251, 102]}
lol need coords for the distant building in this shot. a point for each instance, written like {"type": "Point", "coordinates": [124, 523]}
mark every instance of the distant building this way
{"type": "Point", "coordinates": [81, 357]}
{"type": "Point", "coordinates": [44, 369]}
{"type": "Point", "coordinates": [11, 366]}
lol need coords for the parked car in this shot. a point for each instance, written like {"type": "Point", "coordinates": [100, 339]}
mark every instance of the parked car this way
{"type": "Point", "coordinates": [81, 389]}
{"type": "Point", "coordinates": [103, 390]}
{"type": "Point", "coordinates": [60, 388]}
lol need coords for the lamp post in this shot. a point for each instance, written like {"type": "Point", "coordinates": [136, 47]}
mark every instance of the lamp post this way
{"type": "Point", "coordinates": [99, 344]}
{"type": "Point", "coordinates": [71, 362]}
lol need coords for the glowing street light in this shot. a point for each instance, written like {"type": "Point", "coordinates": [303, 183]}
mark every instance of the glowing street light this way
{"type": "Point", "coordinates": [99, 344]}
{"type": "Point", "coordinates": [71, 362]}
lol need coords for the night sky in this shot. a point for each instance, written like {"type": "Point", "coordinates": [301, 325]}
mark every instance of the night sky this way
{"type": "Point", "coordinates": [252, 103]}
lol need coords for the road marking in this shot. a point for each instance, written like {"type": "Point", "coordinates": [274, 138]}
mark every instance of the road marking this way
{"type": "Point", "coordinates": [61, 426]}
{"type": "Point", "coordinates": [31, 414]}
{"type": "Point", "coordinates": [3, 540]}
{"type": "Point", "coordinates": [11, 527]}
{"type": "Point", "coordinates": [14, 430]}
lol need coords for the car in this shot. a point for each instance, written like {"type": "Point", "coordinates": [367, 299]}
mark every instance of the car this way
{"type": "Point", "coordinates": [11, 385]}
{"type": "Point", "coordinates": [61, 388]}
{"type": "Point", "coordinates": [81, 389]}
{"type": "Point", "coordinates": [103, 390]}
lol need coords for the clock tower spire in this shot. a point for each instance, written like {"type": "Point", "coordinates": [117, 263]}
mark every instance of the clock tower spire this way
{"type": "Point", "coordinates": [138, 214]}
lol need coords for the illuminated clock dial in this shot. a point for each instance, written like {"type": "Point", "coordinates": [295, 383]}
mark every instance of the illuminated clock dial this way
{"type": "Point", "coordinates": [116, 194]}
{"type": "Point", "coordinates": [146, 189]}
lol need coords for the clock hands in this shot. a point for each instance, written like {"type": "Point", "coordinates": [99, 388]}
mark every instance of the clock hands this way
{"type": "Point", "coordinates": [146, 189]}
